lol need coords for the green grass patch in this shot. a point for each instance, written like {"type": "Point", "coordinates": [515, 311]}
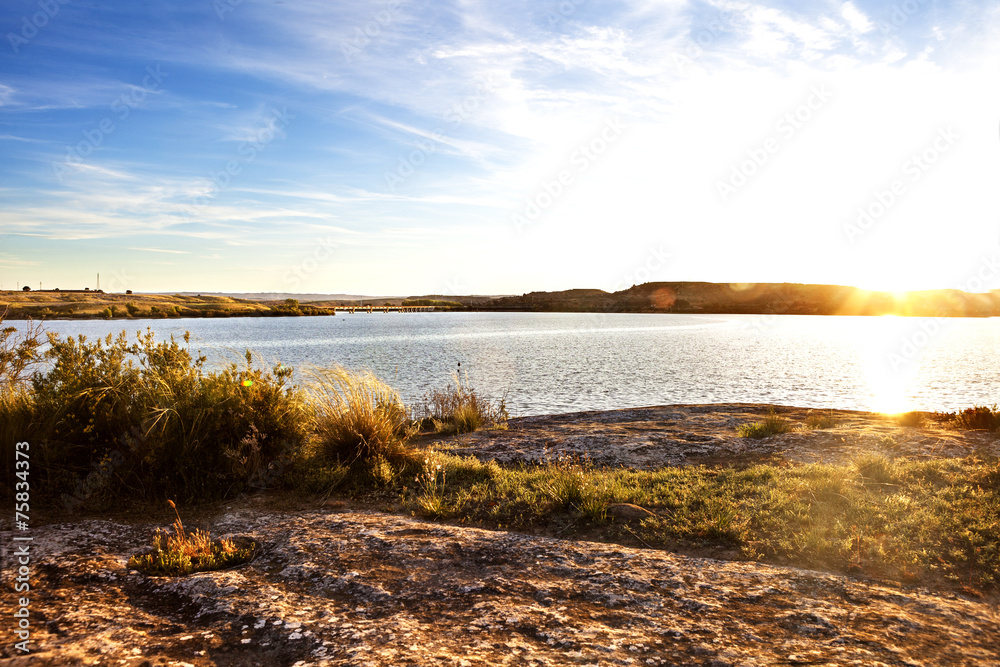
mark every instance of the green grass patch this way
{"type": "Point", "coordinates": [897, 519]}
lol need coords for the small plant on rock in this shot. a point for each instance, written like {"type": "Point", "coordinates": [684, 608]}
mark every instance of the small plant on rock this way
{"type": "Point", "coordinates": [183, 552]}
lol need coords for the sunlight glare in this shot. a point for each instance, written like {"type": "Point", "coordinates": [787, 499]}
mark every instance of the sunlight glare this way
{"type": "Point", "coordinates": [887, 386]}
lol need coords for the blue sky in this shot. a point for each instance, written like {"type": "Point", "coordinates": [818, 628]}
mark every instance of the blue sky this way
{"type": "Point", "coordinates": [472, 147]}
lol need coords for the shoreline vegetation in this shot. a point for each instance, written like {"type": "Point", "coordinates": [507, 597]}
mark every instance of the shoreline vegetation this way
{"type": "Point", "coordinates": [119, 422]}
{"type": "Point", "coordinates": [658, 297]}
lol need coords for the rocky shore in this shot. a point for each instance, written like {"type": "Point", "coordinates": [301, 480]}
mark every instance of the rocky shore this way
{"type": "Point", "coordinates": [335, 585]}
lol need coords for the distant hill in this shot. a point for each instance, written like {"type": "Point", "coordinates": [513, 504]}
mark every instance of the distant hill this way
{"type": "Point", "coordinates": [659, 297]}
{"type": "Point", "coordinates": [777, 298]}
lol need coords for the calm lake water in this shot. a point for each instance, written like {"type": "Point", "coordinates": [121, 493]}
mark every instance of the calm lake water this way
{"type": "Point", "coordinates": [564, 362]}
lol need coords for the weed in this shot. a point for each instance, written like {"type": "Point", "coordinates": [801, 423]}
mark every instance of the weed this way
{"type": "Point", "coordinates": [431, 482]}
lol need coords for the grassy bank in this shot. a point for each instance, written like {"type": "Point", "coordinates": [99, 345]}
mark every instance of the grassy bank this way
{"type": "Point", "coordinates": [122, 421]}
{"type": "Point", "coordinates": [99, 305]}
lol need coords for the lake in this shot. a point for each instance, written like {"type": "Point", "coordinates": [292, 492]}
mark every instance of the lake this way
{"type": "Point", "coordinates": [564, 362]}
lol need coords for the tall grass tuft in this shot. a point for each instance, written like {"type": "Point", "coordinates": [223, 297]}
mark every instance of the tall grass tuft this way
{"type": "Point", "coordinates": [773, 424]}
{"type": "Point", "coordinates": [459, 409]}
{"type": "Point", "coordinates": [359, 418]}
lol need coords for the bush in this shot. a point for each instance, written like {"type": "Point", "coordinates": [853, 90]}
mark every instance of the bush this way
{"type": "Point", "coordinates": [139, 419]}
{"type": "Point", "coordinates": [18, 355]}
{"type": "Point", "coordinates": [459, 409]}
{"type": "Point", "coordinates": [359, 418]}
{"type": "Point", "coordinates": [979, 417]}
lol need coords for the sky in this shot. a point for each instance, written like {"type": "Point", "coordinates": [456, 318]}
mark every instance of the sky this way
{"type": "Point", "coordinates": [458, 147]}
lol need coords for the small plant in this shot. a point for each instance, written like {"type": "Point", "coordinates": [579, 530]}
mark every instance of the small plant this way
{"type": "Point", "coordinates": [911, 419]}
{"type": "Point", "coordinates": [978, 418]}
{"type": "Point", "coordinates": [183, 552]}
{"type": "Point", "coordinates": [432, 484]}
{"type": "Point", "coordinates": [773, 424]}
{"type": "Point", "coordinates": [820, 421]}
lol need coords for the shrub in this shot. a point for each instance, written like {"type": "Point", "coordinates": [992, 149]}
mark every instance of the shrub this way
{"type": "Point", "coordinates": [459, 409]}
{"type": "Point", "coordinates": [146, 417]}
{"type": "Point", "coordinates": [18, 352]}
{"type": "Point", "coordinates": [359, 418]}
{"type": "Point", "coordinates": [772, 425]}
{"type": "Point", "coordinates": [978, 417]}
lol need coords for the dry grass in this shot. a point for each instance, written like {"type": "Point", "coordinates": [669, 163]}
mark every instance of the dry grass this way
{"type": "Point", "coordinates": [359, 418]}
{"type": "Point", "coordinates": [459, 409]}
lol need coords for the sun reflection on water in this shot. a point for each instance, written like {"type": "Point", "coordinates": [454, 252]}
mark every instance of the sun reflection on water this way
{"type": "Point", "coordinates": [888, 375]}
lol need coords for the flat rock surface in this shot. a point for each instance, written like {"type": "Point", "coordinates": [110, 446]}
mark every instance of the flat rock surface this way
{"type": "Point", "coordinates": [363, 588]}
{"type": "Point", "coordinates": [674, 435]}
{"type": "Point", "coordinates": [356, 588]}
